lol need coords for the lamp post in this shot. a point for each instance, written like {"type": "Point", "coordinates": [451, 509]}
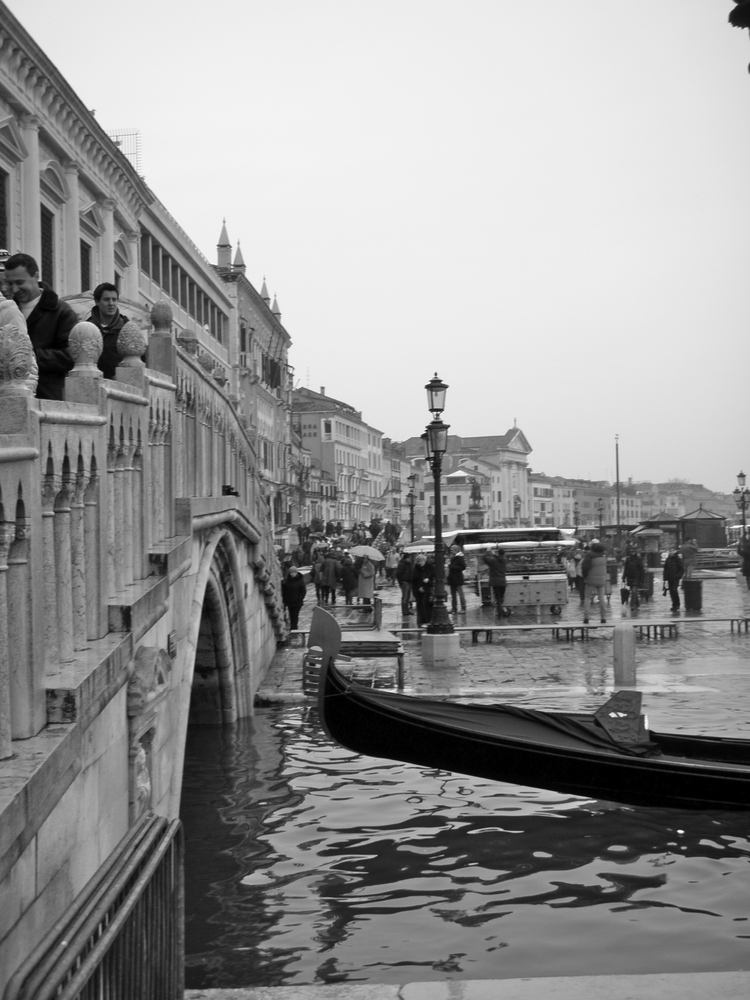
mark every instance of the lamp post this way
{"type": "Point", "coordinates": [742, 499]}
{"type": "Point", "coordinates": [576, 514]}
{"type": "Point", "coordinates": [411, 498]}
{"type": "Point", "coordinates": [600, 508]}
{"type": "Point", "coordinates": [436, 445]}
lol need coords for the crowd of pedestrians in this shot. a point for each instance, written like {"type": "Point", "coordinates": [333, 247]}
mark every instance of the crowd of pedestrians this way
{"type": "Point", "coordinates": [338, 570]}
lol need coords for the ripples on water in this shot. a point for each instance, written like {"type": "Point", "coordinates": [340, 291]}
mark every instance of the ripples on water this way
{"type": "Point", "coordinates": [309, 864]}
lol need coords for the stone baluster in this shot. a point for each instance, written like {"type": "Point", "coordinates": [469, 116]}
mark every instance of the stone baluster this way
{"type": "Point", "coordinates": [95, 627]}
{"type": "Point", "coordinates": [63, 569]}
{"type": "Point", "coordinates": [169, 475]}
{"type": "Point", "coordinates": [6, 749]}
{"type": "Point", "coordinates": [78, 559]}
{"type": "Point", "coordinates": [153, 474]}
{"type": "Point", "coordinates": [119, 514]}
{"type": "Point", "coordinates": [127, 511]}
{"type": "Point", "coordinates": [27, 702]}
{"type": "Point", "coordinates": [51, 646]}
{"type": "Point", "coordinates": [139, 514]}
{"type": "Point", "coordinates": [110, 512]}
{"type": "Point", "coordinates": [162, 448]}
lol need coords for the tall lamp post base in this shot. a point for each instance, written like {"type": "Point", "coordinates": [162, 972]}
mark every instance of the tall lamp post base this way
{"type": "Point", "coordinates": [441, 650]}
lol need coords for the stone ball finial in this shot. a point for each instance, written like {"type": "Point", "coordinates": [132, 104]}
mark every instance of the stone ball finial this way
{"type": "Point", "coordinates": [85, 345]}
{"type": "Point", "coordinates": [16, 353]}
{"type": "Point", "coordinates": [131, 344]}
{"type": "Point", "coordinates": [188, 341]}
{"type": "Point", "coordinates": [161, 317]}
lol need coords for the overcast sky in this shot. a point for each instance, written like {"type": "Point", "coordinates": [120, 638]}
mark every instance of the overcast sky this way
{"type": "Point", "coordinates": [545, 202]}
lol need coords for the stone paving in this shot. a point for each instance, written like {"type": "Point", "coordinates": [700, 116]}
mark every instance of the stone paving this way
{"type": "Point", "coordinates": [704, 659]}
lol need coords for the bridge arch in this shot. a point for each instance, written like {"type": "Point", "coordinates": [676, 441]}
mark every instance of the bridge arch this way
{"type": "Point", "coordinates": [217, 634]}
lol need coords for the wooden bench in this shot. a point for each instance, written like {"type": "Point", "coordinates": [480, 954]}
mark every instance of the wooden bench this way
{"type": "Point", "coordinates": [738, 621]}
{"type": "Point", "coordinates": [655, 630]}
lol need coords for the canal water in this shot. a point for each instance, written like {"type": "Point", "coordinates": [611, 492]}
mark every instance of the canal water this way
{"type": "Point", "coordinates": [307, 864]}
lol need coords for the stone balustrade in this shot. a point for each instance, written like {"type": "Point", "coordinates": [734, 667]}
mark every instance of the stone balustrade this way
{"type": "Point", "coordinates": [88, 491]}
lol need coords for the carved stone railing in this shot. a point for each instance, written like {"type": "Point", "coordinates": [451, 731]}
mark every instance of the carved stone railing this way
{"type": "Point", "coordinates": [87, 493]}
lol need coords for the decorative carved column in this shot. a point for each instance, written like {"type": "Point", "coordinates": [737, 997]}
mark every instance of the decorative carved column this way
{"type": "Point", "coordinates": [140, 560]}
{"type": "Point", "coordinates": [96, 595]}
{"type": "Point", "coordinates": [26, 683]}
{"type": "Point", "coordinates": [63, 572]}
{"type": "Point", "coordinates": [78, 561]}
{"type": "Point", "coordinates": [71, 283]}
{"type": "Point", "coordinates": [48, 563]}
{"type": "Point", "coordinates": [130, 287]}
{"type": "Point", "coordinates": [107, 271]}
{"type": "Point", "coordinates": [31, 222]}
{"type": "Point", "coordinates": [5, 718]}
{"type": "Point", "coordinates": [127, 512]}
{"type": "Point", "coordinates": [119, 515]}
{"type": "Point", "coordinates": [161, 349]}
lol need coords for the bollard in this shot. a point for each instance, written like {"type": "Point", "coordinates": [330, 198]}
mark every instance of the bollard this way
{"type": "Point", "coordinates": [624, 655]}
{"type": "Point", "coordinates": [693, 592]}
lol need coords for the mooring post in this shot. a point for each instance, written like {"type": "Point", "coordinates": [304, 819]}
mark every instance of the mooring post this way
{"type": "Point", "coordinates": [624, 655]}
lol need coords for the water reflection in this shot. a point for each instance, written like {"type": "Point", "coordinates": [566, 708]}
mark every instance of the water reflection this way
{"type": "Point", "coordinates": [309, 864]}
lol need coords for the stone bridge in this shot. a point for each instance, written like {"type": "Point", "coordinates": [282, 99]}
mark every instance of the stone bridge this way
{"type": "Point", "coordinates": [138, 592]}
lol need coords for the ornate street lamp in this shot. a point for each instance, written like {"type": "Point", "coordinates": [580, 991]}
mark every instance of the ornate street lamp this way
{"type": "Point", "coordinates": [576, 514]}
{"type": "Point", "coordinates": [600, 508]}
{"type": "Point", "coordinates": [742, 499]}
{"type": "Point", "coordinates": [436, 445]}
{"type": "Point", "coordinates": [410, 499]}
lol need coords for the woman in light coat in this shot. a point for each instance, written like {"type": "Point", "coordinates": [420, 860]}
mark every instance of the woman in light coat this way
{"type": "Point", "coordinates": [366, 581]}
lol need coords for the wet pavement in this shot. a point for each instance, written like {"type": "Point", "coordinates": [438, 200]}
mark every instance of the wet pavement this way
{"type": "Point", "coordinates": [703, 657]}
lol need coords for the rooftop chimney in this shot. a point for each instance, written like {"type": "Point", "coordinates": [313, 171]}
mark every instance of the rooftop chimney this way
{"type": "Point", "coordinates": [322, 390]}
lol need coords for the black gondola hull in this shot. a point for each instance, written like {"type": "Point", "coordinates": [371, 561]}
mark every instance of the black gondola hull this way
{"type": "Point", "coordinates": [479, 740]}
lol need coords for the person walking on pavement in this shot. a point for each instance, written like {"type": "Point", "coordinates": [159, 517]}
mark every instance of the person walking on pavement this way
{"type": "Point", "coordinates": [348, 579]}
{"type": "Point", "coordinates": [594, 573]}
{"type": "Point", "coordinates": [293, 592]}
{"type": "Point", "coordinates": [366, 582]}
{"type": "Point", "coordinates": [403, 577]}
{"type": "Point", "coordinates": [329, 578]}
{"type": "Point", "coordinates": [673, 573]}
{"type": "Point", "coordinates": [495, 562]}
{"type": "Point", "coordinates": [456, 568]}
{"type": "Point", "coordinates": [423, 577]}
{"type": "Point", "coordinates": [634, 575]}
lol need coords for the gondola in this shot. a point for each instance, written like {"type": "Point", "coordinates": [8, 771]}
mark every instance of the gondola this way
{"type": "Point", "coordinates": [608, 755]}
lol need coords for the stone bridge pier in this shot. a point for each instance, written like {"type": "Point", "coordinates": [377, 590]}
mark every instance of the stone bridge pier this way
{"type": "Point", "coordinates": [138, 594]}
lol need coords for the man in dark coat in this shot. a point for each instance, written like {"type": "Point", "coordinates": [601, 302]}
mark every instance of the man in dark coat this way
{"type": "Point", "coordinates": [107, 316]}
{"type": "Point", "coordinates": [293, 591]}
{"type": "Point", "coordinates": [48, 321]}
{"type": "Point", "coordinates": [403, 577]}
{"type": "Point", "coordinates": [495, 562]}
{"type": "Point", "coordinates": [456, 568]}
{"type": "Point", "coordinates": [673, 573]}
